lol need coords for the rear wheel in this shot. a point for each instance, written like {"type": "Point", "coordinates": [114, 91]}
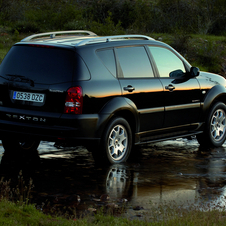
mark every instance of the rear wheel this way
{"type": "Point", "coordinates": [16, 146]}
{"type": "Point", "coordinates": [215, 129]}
{"type": "Point", "coordinates": [116, 142]}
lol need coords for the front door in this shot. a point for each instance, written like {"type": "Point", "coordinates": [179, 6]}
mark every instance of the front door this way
{"type": "Point", "coordinates": [182, 94]}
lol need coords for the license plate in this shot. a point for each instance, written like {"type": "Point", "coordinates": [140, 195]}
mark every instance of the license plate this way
{"type": "Point", "coordinates": [34, 97]}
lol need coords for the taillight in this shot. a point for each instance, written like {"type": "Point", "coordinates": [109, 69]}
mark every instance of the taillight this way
{"type": "Point", "coordinates": [74, 100]}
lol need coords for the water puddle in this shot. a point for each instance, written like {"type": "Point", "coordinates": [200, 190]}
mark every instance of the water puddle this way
{"type": "Point", "coordinates": [176, 171]}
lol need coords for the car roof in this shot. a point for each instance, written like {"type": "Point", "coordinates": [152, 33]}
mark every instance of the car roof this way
{"type": "Point", "coordinates": [78, 38]}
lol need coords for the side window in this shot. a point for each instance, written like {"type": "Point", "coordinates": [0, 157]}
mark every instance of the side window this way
{"type": "Point", "coordinates": [108, 59]}
{"type": "Point", "coordinates": [134, 62]}
{"type": "Point", "coordinates": [166, 61]}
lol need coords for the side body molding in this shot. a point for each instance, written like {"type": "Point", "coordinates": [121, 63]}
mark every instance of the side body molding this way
{"type": "Point", "coordinates": [119, 106]}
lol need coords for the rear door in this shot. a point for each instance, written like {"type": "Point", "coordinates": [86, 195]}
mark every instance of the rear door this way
{"type": "Point", "coordinates": [139, 85]}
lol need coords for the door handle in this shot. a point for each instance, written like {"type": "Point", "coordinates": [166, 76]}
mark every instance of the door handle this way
{"type": "Point", "coordinates": [129, 88]}
{"type": "Point", "coordinates": [170, 87]}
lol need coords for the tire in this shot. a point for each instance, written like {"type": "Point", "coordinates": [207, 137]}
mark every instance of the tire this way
{"type": "Point", "coordinates": [20, 147]}
{"type": "Point", "coordinates": [116, 142]}
{"type": "Point", "coordinates": [214, 133]}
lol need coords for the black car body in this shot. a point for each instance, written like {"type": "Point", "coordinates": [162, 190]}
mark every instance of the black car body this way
{"type": "Point", "coordinates": [107, 93]}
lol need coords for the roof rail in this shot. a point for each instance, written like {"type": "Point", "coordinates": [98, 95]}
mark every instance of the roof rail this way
{"type": "Point", "coordinates": [54, 33]}
{"type": "Point", "coordinates": [111, 38]}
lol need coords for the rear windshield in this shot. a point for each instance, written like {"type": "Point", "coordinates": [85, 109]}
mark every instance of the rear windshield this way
{"type": "Point", "coordinates": [40, 64]}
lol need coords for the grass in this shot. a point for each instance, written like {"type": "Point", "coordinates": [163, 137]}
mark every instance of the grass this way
{"type": "Point", "coordinates": [14, 214]}
{"type": "Point", "coordinates": [16, 209]}
{"type": "Point", "coordinates": [26, 214]}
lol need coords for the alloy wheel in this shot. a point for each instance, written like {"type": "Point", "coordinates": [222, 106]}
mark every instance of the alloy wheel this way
{"type": "Point", "coordinates": [218, 125]}
{"type": "Point", "coordinates": [117, 142]}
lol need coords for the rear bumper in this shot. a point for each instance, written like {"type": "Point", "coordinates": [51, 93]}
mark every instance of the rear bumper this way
{"type": "Point", "coordinates": [70, 130]}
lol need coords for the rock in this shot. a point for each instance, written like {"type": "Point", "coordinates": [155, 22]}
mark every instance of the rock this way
{"type": "Point", "coordinates": [123, 200]}
{"type": "Point", "coordinates": [104, 198]}
{"type": "Point", "coordinates": [138, 208]}
{"type": "Point", "coordinates": [92, 209]}
{"type": "Point", "coordinates": [112, 205]}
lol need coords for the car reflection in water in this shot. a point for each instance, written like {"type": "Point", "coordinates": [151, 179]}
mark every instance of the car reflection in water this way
{"type": "Point", "coordinates": [118, 182]}
{"type": "Point", "coordinates": [172, 171]}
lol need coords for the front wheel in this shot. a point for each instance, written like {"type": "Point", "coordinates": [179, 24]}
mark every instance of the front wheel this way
{"type": "Point", "coordinates": [116, 142]}
{"type": "Point", "coordinates": [214, 133]}
{"type": "Point", "coordinates": [16, 146]}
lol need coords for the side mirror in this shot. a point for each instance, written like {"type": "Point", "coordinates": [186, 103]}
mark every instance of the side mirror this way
{"type": "Point", "coordinates": [194, 72]}
{"type": "Point", "coordinates": [176, 74]}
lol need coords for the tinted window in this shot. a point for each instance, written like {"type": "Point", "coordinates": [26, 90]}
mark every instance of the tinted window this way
{"type": "Point", "coordinates": [108, 58]}
{"type": "Point", "coordinates": [81, 71]}
{"type": "Point", "coordinates": [42, 65]}
{"type": "Point", "coordinates": [166, 61]}
{"type": "Point", "coordinates": [134, 62]}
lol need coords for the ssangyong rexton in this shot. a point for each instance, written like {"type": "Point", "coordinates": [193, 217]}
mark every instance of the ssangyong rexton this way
{"type": "Point", "coordinates": [106, 93]}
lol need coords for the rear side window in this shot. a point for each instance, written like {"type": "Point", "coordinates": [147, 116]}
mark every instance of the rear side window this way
{"type": "Point", "coordinates": [108, 58]}
{"type": "Point", "coordinates": [40, 64]}
{"type": "Point", "coordinates": [134, 62]}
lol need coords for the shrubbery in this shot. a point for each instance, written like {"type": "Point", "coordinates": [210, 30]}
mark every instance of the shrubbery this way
{"type": "Point", "coordinates": [178, 18]}
{"type": "Point", "coordinates": [134, 16]}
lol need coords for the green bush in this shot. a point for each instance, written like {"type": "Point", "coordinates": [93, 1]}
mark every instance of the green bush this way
{"type": "Point", "coordinates": [211, 55]}
{"type": "Point", "coordinates": [76, 25]}
{"type": "Point", "coordinates": [107, 28]}
{"type": "Point", "coordinates": [181, 42]}
{"type": "Point", "coordinates": [54, 16]}
{"type": "Point", "coordinates": [26, 26]}
{"type": "Point", "coordinates": [134, 16]}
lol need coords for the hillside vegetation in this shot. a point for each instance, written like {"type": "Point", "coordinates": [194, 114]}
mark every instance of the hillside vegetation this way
{"type": "Point", "coordinates": [145, 16]}
{"type": "Point", "coordinates": [195, 28]}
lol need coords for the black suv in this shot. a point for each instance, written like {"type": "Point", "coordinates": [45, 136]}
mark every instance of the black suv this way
{"type": "Point", "coordinates": [106, 93]}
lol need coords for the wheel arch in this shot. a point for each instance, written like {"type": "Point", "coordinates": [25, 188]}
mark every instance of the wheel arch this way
{"type": "Point", "coordinates": [119, 107]}
{"type": "Point", "coordinates": [216, 94]}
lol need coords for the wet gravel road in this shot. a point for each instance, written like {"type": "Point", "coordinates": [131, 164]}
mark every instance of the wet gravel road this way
{"type": "Point", "coordinates": [68, 178]}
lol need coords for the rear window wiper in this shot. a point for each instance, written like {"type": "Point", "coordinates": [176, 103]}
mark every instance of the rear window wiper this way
{"type": "Point", "coordinates": [19, 78]}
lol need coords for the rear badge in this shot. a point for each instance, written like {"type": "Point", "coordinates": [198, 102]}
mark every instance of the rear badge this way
{"type": "Point", "coordinates": [56, 91]}
{"type": "Point", "coordinates": [26, 118]}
